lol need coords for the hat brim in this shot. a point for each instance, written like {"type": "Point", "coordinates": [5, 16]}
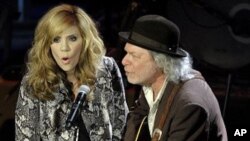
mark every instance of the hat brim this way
{"type": "Point", "coordinates": [125, 36]}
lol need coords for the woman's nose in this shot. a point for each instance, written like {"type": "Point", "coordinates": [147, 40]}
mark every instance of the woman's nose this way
{"type": "Point", "coordinates": [64, 46]}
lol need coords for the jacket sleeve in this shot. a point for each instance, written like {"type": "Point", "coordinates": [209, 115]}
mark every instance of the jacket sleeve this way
{"type": "Point", "coordinates": [135, 117]}
{"type": "Point", "coordinates": [26, 116]}
{"type": "Point", "coordinates": [119, 109]}
{"type": "Point", "coordinates": [189, 124]}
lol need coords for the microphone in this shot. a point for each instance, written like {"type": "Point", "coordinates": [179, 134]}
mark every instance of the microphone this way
{"type": "Point", "coordinates": [81, 96]}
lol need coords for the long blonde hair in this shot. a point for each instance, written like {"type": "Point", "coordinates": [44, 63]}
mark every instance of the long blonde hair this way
{"type": "Point", "coordinates": [44, 74]}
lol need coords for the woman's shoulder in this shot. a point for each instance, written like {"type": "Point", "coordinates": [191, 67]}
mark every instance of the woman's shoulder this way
{"type": "Point", "coordinates": [107, 64]}
{"type": "Point", "coordinates": [25, 89]}
{"type": "Point", "coordinates": [24, 80]}
{"type": "Point", "coordinates": [107, 67]}
{"type": "Point", "coordinates": [108, 61]}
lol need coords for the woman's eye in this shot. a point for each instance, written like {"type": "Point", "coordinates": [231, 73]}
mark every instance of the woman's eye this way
{"type": "Point", "coordinates": [56, 40]}
{"type": "Point", "coordinates": [73, 38]}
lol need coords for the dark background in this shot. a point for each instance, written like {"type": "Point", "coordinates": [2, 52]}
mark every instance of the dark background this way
{"type": "Point", "coordinates": [216, 33]}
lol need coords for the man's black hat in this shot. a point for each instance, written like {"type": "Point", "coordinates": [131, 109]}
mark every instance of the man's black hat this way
{"type": "Point", "coordinates": [155, 33]}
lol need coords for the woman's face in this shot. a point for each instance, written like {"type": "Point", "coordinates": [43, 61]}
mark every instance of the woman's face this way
{"type": "Point", "coordinates": [66, 49]}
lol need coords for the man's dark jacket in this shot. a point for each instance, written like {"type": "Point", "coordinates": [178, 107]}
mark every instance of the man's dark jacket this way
{"type": "Point", "coordinates": [194, 115]}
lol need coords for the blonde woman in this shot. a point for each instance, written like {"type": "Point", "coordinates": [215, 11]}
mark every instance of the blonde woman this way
{"type": "Point", "coordinates": [68, 52]}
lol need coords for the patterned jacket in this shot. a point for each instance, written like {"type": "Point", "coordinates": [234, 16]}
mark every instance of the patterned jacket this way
{"type": "Point", "coordinates": [104, 117]}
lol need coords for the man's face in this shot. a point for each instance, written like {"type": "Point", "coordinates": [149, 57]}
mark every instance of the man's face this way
{"type": "Point", "coordinates": [139, 65]}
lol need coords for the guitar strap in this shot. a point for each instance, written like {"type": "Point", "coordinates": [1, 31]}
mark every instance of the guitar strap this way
{"type": "Point", "coordinates": [158, 128]}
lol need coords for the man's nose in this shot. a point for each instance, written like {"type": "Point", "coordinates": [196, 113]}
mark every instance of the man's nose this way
{"type": "Point", "coordinates": [125, 60]}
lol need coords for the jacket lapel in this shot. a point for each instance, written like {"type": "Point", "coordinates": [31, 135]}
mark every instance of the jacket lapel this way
{"type": "Point", "coordinates": [167, 91]}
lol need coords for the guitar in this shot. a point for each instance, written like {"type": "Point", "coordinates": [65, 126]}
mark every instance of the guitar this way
{"type": "Point", "coordinates": [143, 131]}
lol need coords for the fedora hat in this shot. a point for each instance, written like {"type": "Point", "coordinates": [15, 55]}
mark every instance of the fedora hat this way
{"type": "Point", "coordinates": [155, 33]}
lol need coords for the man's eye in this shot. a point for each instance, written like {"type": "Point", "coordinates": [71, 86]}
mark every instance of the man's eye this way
{"type": "Point", "coordinates": [135, 56]}
{"type": "Point", "coordinates": [56, 40]}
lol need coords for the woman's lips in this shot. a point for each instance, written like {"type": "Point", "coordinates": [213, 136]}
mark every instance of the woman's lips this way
{"type": "Point", "coordinates": [65, 60]}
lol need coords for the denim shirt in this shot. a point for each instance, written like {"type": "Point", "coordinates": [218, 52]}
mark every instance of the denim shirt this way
{"type": "Point", "coordinates": [104, 117]}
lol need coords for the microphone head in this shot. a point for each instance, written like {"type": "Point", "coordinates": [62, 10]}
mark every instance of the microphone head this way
{"type": "Point", "coordinates": [84, 89]}
{"type": "Point", "coordinates": [74, 112]}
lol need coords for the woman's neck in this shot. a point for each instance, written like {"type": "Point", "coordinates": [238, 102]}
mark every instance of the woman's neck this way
{"type": "Point", "coordinates": [72, 79]}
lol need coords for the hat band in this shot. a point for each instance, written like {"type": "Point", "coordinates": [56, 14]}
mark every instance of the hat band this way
{"type": "Point", "coordinates": [154, 45]}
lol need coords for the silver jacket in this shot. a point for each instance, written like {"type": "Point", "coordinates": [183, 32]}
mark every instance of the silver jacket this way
{"type": "Point", "coordinates": [104, 117]}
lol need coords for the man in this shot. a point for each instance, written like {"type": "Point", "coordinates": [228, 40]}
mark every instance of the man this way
{"type": "Point", "coordinates": [176, 100]}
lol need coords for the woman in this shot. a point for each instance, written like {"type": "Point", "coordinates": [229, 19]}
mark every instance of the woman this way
{"type": "Point", "coordinates": [68, 52]}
